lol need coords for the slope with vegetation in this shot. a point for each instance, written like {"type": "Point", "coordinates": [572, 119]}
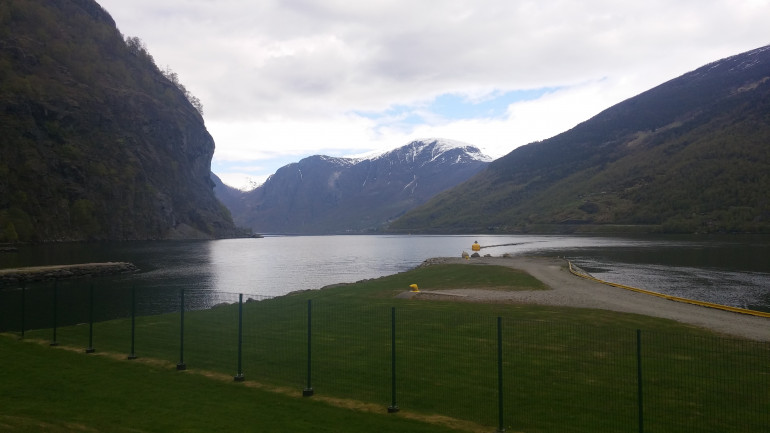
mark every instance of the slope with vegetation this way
{"type": "Point", "coordinates": [98, 143]}
{"type": "Point", "coordinates": [689, 156]}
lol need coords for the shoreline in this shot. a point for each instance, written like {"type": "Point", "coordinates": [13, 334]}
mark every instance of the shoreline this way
{"type": "Point", "coordinates": [569, 290]}
{"type": "Point", "coordinates": [583, 274]}
{"type": "Point", "coordinates": [54, 272]}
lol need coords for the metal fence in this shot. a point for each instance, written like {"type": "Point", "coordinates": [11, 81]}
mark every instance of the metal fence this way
{"type": "Point", "coordinates": [491, 371]}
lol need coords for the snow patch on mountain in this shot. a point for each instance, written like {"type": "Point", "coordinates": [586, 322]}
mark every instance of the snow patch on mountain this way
{"type": "Point", "coordinates": [735, 63]}
{"type": "Point", "coordinates": [437, 148]}
{"type": "Point", "coordinates": [340, 161]}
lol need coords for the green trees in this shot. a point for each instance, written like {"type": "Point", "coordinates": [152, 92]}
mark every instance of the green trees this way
{"type": "Point", "coordinates": [138, 48]}
{"type": "Point", "coordinates": [16, 225]}
{"type": "Point", "coordinates": [84, 217]}
{"type": "Point", "coordinates": [9, 233]}
{"type": "Point", "coordinates": [88, 120]}
{"type": "Point", "coordinates": [174, 78]}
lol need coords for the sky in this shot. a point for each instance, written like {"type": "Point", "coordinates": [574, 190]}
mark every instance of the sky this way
{"type": "Point", "coordinates": [280, 80]}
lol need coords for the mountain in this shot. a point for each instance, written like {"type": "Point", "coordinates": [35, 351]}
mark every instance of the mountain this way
{"type": "Point", "coordinates": [691, 155]}
{"type": "Point", "coordinates": [321, 194]}
{"type": "Point", "coordinates": [231, 198]}
{"type": "Point", "coordinates": [97, 143]}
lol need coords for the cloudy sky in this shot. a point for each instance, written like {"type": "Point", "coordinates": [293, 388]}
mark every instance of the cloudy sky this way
{"type": "Point", "coordinates": [283, 79]}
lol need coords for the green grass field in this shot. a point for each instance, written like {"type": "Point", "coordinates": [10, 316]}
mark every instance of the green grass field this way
{"type": "Point", "coordinates": [53, 390]}
{"type": "Point", "coordinates": [564, 369]}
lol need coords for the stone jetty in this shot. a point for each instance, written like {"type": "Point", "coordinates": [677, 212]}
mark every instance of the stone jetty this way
{"type": "Point", "coordinates": [40, 273]}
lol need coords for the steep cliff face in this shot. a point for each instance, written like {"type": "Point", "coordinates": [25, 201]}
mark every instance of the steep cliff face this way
{"type": "Point", "coordinates": [96, 142]}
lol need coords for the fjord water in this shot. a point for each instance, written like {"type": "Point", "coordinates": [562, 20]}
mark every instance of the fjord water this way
{"type": "Point", "coordinates": [730, 270]}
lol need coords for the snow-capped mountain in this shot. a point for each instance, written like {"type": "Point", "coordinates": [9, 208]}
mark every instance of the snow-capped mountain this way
{"type": "Point", "coordinates": [436, 150]}
{"type": "Point", "coordinates": [322, 194]}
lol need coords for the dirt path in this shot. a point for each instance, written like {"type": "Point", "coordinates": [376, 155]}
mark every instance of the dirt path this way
{"type": "Point", "coordinates": [572, 291]}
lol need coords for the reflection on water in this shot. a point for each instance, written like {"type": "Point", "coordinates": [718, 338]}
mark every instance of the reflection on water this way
{"type": "Point", "coordinates": [732, 270]}
{"type": "Point", "coordinates": [278, 265]}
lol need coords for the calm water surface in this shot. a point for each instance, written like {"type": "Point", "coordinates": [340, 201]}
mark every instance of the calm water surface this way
{"type": "Point", "coordinates": [732, 270]}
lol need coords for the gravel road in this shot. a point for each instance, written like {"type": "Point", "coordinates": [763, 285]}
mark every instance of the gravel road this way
{"type": "Point", "coordinates": [572, 291]}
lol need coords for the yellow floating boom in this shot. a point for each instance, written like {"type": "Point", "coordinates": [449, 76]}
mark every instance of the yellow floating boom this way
{"type": "Point", "coordinates": [669, 297]}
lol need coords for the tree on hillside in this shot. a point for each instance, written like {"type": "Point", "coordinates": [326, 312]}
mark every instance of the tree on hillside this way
{"type": "Point", "coordinates": [174, 78]}
{"type": "Point", "coordinates": [139, 48]}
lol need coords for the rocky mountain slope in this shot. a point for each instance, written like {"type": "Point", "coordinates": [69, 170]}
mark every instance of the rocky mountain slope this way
{"type": "Point", "coordinates": [96, 142]}
{"type": "Point", "coordinates": [321, 194]}
{"type": "Point", "coordinates": [691, 155]}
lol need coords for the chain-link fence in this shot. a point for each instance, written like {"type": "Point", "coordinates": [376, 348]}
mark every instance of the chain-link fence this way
{"type": "Point", "coordinates": [490, 371]}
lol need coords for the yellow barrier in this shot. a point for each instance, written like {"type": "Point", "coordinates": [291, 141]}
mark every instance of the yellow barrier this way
{"type": "Point", "coordinates": [669, 297]}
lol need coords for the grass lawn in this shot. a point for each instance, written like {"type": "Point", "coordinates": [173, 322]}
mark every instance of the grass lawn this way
{"type": "Point", "coordinates": [46, 389]}
{"type": "Point", "coordinates": [565, 369]}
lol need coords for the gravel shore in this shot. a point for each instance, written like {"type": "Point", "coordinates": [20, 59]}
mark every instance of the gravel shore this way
{"type": "Point", "coordinates": [572, 291]}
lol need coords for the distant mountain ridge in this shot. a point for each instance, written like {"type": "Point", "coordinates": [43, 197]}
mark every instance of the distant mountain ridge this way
{"type": "Point", "coordinates": [688, 156]}
{"type": "Point", "coordinates": [322, 194]}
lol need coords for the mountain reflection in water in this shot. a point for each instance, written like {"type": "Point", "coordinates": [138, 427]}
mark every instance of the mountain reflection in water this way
{"type": "Point", "coordinates": [731, 270]}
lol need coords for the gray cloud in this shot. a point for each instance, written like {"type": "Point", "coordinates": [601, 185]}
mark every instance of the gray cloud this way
{"type": "Point", "coordinates": [298, 61]}
{"type": "Point", "coordinates": [396, 51]}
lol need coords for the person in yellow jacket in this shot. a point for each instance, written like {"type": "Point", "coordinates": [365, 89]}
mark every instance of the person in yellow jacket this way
{"type": "Point", "coordinates": [476, 246]}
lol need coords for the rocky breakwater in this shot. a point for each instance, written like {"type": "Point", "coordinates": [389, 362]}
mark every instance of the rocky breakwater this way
{"type": "Point", "coordinates": [40, 273]}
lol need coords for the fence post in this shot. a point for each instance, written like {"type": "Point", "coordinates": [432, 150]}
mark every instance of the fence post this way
{"type": "Point", "coordinates": [132, 355]}
{"type": "Point", "coordinates": [640, 401]}
{"type": "Point", "coordinates": [308, 391]}
{"type": "Point", "coordinates": [500, 421]}
{"type": "Point", "coordinates": [393, 408]}
{"type": "Point", "coordinates": [181, 365]}
{"type": "Point", "coordinates": [239, 377]}
{"type": "Point", "coordinates": [23, 306]}
{"type": "Point", "coordinates": [90, 348]}
{"type": "Point", "coordinates": [55, 311]}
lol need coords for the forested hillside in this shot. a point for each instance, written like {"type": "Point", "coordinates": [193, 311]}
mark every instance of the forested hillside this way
{"type": "Point", "coordinates": [689, 156]}
{"type": "Point", "coordinates": [97, 142]}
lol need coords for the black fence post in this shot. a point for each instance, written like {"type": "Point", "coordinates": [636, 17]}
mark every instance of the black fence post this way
{"type": "Point", "coordinates": [500, 421]}
{"type": "Point", "coordinates": [393, 408]}
{"type": "Point", "coordinates": [132, 355]}
{"type": "Point", "coordinates": [23, 306]}
{"type": "Point", "coordinates": [640, 401]}
{"type": "Point", "coordinates": [55, 311]}
{"type": "Point", "coordinates": [181, 365]}
{"type": "Point", "coordinates": [239, 376]}
{"type": "Point", "coordinates": [90, 348]}
{"type": "Point", "coordinates": [308, 391]}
